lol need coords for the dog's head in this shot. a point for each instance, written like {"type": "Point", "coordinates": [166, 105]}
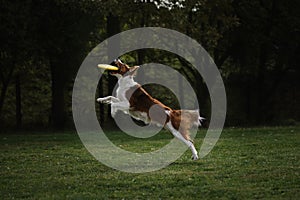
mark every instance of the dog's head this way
{"type": "Point", "coordinates": [123, 69]}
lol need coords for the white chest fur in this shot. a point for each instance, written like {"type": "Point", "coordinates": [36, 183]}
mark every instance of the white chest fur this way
{"type": "Point", "coordinates": [125, 83]}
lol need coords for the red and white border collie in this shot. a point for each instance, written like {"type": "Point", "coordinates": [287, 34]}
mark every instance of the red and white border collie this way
{"type": "Point", "coordinates": [132, 99]}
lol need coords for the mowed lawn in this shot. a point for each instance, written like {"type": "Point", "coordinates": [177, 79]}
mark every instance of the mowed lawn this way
{"type": "Point", "coordinates": [251, 163]}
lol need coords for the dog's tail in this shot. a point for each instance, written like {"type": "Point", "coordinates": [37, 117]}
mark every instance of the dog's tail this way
{"type": "Point", "coordinates": [193, 117]}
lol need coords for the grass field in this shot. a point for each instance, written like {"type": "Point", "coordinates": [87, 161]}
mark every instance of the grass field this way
{"type": "Point", "coordinates": [257, 163]}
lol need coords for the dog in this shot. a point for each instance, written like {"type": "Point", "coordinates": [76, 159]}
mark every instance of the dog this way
{"type": "Point", "coordinates": [132, 99]}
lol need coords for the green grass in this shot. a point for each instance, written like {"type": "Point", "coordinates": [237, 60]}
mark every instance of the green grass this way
{"type": "Point", "coordinates": [258, 163]}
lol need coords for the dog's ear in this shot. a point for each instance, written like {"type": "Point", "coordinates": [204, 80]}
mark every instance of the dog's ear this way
{"type": "Point", "coordinates": [133, 70]}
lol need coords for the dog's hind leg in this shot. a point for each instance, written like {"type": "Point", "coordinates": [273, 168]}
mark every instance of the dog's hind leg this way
{"type": "Point", "coordinates": [179, 136]}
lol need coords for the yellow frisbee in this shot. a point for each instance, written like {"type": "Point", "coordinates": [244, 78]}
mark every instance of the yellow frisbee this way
{"type": "Point", "coordinates": [109, 67]}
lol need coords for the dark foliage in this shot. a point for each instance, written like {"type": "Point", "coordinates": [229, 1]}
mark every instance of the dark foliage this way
{"type": "Point", "coordinates": [255, 44]}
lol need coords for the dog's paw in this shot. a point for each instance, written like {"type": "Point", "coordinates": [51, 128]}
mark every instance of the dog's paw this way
{"type": "Point", "coordinates": [103, 100]}
{"type": "Point", "coordinates": [99, 100]}
{"type": "Point", "coordinates": [195, 157]}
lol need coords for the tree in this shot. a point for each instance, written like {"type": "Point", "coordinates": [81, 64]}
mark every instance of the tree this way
{"type": "Point", "coordinates": [63, 31]}
{"type": "Point", "coordinates": [15, 40]}
{"type": "Point", "coordinates": [264, 43]}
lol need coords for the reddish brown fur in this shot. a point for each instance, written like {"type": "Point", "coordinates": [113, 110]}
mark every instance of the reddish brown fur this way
{"type": "Point", "coordinates": [181, 120]}
{"type": "Point", "coordinates": [140, 100]}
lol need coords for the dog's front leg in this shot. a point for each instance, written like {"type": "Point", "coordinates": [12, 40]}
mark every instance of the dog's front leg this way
{"type": "Point", "coordinates": [108, 100]}
{"type": "Point", "coordinates": [122, 106]}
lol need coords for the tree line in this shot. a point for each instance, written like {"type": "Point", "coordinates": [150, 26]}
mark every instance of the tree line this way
{"type": "Point", "coordinates": [255, 45]}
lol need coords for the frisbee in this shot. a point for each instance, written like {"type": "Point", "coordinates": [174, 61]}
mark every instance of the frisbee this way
{"type": "Point", "coordinates": [109, 67]}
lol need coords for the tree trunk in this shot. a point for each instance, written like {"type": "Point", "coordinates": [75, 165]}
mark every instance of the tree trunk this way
{"type": "Point", "coordinates": [2, 97]}
{"type": "Point", "coordinates": [263, 58]}
{"type": "Point", "coordinates": [5, 84]}
{"type": "Point", "coordinates": [58, 97]}
{"type": "Point", "coordinates": [101, 106]}
{"type": "Point", "coordinates": [260, 109]}
{"type": "Point", "coordinates": [113, 27]}
{"type": "Point", "coordinates": [18, 103]}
